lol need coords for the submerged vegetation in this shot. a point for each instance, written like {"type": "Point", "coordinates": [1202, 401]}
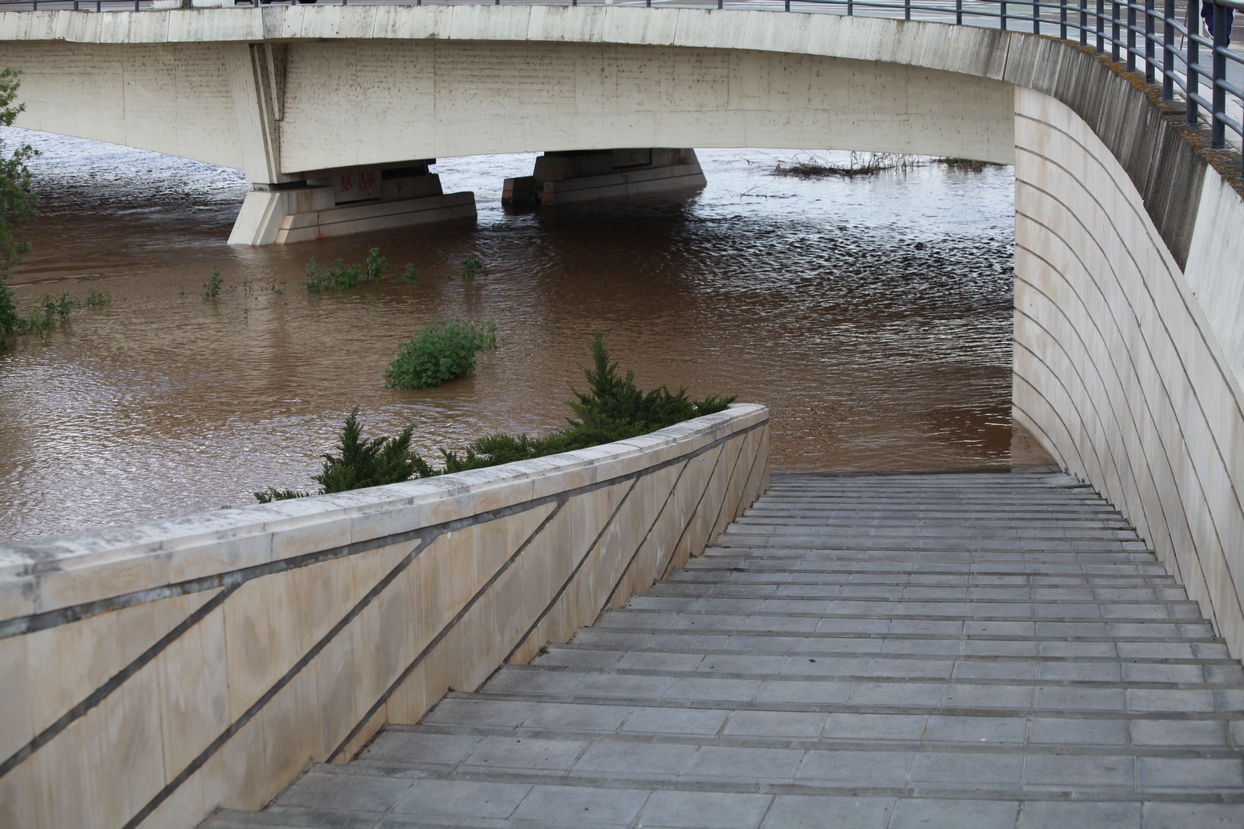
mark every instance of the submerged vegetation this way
{"type": "Point", "coordinates": [869, 164]}
{"type": "Point", "coordinates": [859, 164]}
{"type": "Point", "coordinates": [339, 276]}
{"type": "Point", "coordinates": [211, 288]}
{"type": "Point", "coordinates": [612, 408]}
{"type": "Point", "coordinates": [442, 351]}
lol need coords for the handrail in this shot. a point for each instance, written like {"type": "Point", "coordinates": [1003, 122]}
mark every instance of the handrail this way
{"type": "Point", "coordinates": [1134, 32]}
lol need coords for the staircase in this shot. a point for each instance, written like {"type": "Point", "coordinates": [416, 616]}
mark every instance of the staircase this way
{"type": "Point", "coordinates": [960, 650]}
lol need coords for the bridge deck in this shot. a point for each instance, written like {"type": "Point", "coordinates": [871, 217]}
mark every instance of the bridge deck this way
{"type": "Point", "coordinates": [961, 650]}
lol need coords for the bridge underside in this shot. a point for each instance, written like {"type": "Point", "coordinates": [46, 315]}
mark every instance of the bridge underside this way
{"type": "Point", "coordinates": [295, 118]}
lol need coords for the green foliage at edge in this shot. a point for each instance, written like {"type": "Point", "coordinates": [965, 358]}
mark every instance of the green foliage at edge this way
{"type": "Point", "coordinates": [17, 204]}
{"type": "Point", "coordinates": [612, 408]}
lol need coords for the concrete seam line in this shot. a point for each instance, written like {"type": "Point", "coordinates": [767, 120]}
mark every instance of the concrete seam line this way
{"type": "Point", "coordinates": [662, 570]}
{"type": "Point", "coordinates": [1135, 371]}
{"type": "Point", "coordinates": [1224, 371]}
{"type": "Point", "coordinates": [115, 681]}
{"type": "Point", "coordinates": [642, 541]}
{"type": "Point", "coordinates": [450, 625]}
{"type": "Point", "coordinates": [1166, 525]}
{"type": "Point", "coordinates": [669, 567]}
{"type": "Point", "coordinates": [306, 659]}
{"type": "Point", "coordinates": [1117, 382]}
{"type": "Point", "coordinates": [1120, 334]}
{"type": "Point", "coordinates": [565, 585]}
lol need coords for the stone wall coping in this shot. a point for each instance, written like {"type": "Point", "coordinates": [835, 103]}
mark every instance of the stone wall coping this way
{"type": "Point", "coordinates": [45, 574]}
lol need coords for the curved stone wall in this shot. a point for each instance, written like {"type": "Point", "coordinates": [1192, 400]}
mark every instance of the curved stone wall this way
{"type": "Point", "coordinates": [1119, 369]}
{"type": "Point", "coordinates": [152, 673]}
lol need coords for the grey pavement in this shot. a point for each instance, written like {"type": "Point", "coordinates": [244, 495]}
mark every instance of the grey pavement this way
{"type": "Point", "coordinates": [961, 650]}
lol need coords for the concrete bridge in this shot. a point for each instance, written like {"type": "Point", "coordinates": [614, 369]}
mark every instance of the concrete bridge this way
{"type": "Point", "coordinates": [159, 671]}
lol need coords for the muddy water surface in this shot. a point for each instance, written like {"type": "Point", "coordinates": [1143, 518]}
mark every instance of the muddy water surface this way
{"type": "Point", "coordinates": [871, 315]}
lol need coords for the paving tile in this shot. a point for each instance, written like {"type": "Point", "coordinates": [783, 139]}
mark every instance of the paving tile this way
{"type": "Point", "coordinates": [630, 759]}
{"type": "Point", "coordinates": [981, 730]}
{"type": "Point", "coordinates": [959, 695]}
{"type": "Point", "coordinates": [925, 694]}
{"type": "Point", "coordinates": [1080, 772]}
{"type": "Point", "coordinates": [878, 769]}
{"type": "Point", "coordinates": [720, 810]}
{"type": "Point", "coordinates": [1190, 773]}
{"type": "Point", "coordinates": [463, 799]}
{"type": "Point", "coordinates": [739, 690]}
{"type": "Point", "coordinates": [1078, 731]}
{"type": "Point", "coordinates": [565, 716]}
{"type": "Point", "coordinates": [1179, 733]}
{"type": "Point", "coordinates": [674, 721]}
{"type": "Point", "coordinates": [1046, 814]}
{"type": "Point", "coordinates": [574, 805]}
{"type": "Point", "coordinates": [972, 771]}
{"type": "Point", "coordinates": [811, 692]}
{"type": "Point", "coordinates": [731, 762]}
{"type": "Point", "coordinates": [775, 724]}
{"type": "Point", "coordinates": [913, 813]}
{"type": "Point", "coordinates": [799, 812]}
{"type": "Point", "coordinates": [528, 753]}
{"type": "Point", "coordinates": [403, 747]}
{"type": "Point", "coordinates": [504, 713]}
{"type": "Point", "coordinates": [875, 726]}
{"type": "Point", "coordinates": [1201, 815]}
{"type": "Point", "coordinates": [346, 793]}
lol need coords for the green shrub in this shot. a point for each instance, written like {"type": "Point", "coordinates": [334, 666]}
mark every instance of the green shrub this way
{"type": "Point", "coordinates": [9, 318]}
{"type": "Point", "coordinates": [612, 408]}
{"type": "Point", "coordinates": [409, 276]}
{"type": "Point", "coordinates": [442, 351]}
{"type": "Point", "coordinates": [361, 463]}
{"type": "Point", "coordinates": [98, 299]}
{"type": "Point", "coordinates": [211, 288]}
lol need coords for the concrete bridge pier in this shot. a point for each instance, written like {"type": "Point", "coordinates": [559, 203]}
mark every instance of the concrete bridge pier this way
{"type": "Point", "coordinates": [591, 175]}
{"type": "Point", "coordinates": [346, 201]}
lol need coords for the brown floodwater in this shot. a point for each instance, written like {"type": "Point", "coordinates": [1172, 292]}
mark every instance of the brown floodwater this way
{"type": "Point", "coordinates": [871, 315]}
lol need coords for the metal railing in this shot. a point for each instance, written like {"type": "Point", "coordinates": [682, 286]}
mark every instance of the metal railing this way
{"type": "Point", "coordinates": [1138, 35]}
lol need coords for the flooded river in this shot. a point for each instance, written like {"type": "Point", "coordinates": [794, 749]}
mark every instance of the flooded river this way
{"type": "Point", "coordinates": [872, 316]}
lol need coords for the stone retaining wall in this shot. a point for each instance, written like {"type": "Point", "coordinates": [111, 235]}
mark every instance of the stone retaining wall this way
{"type": "Point", "coordinates": [152, 673]}
{"type": "Point", "coordinates": [1129, 263]}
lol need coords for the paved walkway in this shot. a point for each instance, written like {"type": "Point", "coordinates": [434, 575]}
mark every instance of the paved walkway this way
{"type": "Point", "coordinates": [888, 651]}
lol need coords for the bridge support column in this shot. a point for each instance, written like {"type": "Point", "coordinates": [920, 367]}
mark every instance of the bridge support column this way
{"type": "Point", "coordinates": [345, 202]}
{"type": "Point", "coordinates": [591, 175]}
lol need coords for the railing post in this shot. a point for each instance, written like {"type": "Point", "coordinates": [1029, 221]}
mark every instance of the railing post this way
{"type": "Point", "coordinates": [1194, 59]}
{"type": "Point", "coordinates": [787, 4]}
{"type": "Point", "coordinates": [1218, 128]}
{"type": "Point", "coordinates": [1150, 31]}
{"type": "Point", "coordinates": [1002, 14]}
{"type": "Point", "coordinates": [1101, 26]}
{"type": "Point", "coordinates": [1131, 36]}
{"type": "Point", "coordinates": [958, 12]}
{"type": "Point", "coordinates": [907, 9]}
{"type": "Point", "coordinates": [1114, 30]}
{"type": "Point", "coordinates": [1036, 17]}
{"type": "Point", "coordinates": [1062, 19]}
{"type": "Point", "coordinates": [1168, 51]}
{"type": "Point", "coordinates": [850, 8]}
{"type": "Point", "coordinates": [1084, 22]}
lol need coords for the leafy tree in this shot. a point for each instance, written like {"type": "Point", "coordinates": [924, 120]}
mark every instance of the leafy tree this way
{"type": "Point", "coordinates": [17, 202]}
